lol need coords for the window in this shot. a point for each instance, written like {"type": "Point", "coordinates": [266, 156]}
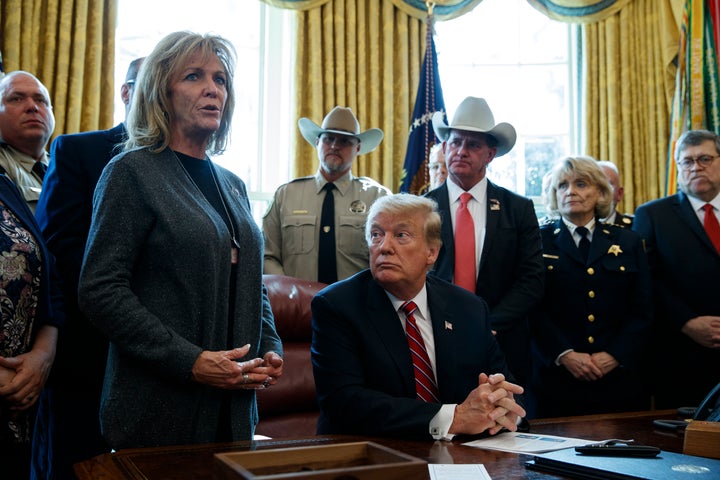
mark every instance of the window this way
{"type": "Point", "coordinates": [505, 51]}
{"type": "Point", "coordinates": [259, 149]}
{"type": "Point", "coordinates": [521, 62]}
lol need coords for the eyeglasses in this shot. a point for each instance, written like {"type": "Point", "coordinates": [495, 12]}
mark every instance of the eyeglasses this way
{"type": "Point", "coordinates": [341, 141]}
{"type": "Point", "coordinates": [702, 161]}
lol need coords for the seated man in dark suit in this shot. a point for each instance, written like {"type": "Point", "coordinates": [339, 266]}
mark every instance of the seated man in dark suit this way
{"type": "Point", "coordinates": [372, 377]}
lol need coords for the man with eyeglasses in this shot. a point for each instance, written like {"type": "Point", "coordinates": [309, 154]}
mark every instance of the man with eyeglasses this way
{"type": "Point", "coordinates": [26, 124]}
{"type": "Point", "coordinates": [682, 237]}
{"type": "Point", "coordinates": [68, 429]}
{"type": "Point", "coordinates": [314, 227]}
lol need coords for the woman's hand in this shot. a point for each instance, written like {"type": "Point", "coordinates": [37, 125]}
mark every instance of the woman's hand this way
{"type": "Point", "coordinates": [31, 371]}
{"type": "Point", "coordinates": [271, 369]}
{"type": "Point", "coordinates": [581, 366]}
{"type": "Point", "coordinates": [604, 362]}
{"type": "Point", "coordinates": [222, 370]}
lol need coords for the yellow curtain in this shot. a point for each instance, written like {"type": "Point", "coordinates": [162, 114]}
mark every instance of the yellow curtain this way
{"type": "Point", "coordinates": [366, 55]}
{"type": "Point", "coordinates": [70, 46]}
{"type": "Point", "coordinates": [629, 80]}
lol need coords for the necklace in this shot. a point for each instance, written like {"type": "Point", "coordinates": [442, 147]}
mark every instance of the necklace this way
{"type": "Point", "coordinates": [234, 247]}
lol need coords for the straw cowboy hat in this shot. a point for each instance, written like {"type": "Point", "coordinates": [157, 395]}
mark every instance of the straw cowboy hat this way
{"type": "Point", "coordinates": [474, 115]}
{"type": "Point", "coordinates": [341, 121]}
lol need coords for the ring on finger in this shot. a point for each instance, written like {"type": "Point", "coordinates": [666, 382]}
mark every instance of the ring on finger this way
{"type": "Point", "coordinates": [246, 378]}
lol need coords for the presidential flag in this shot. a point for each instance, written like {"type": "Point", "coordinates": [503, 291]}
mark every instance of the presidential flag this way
{"type": "Point", "coordinates": [415, 178]}
{"type": "Point", "coordinates": [697, 89]}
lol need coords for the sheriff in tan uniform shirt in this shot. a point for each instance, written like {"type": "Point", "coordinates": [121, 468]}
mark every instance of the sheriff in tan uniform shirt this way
{"type": "Point", "coordinates": [292, 225]}
{"type": "Point", "coordinates": [19, 168]}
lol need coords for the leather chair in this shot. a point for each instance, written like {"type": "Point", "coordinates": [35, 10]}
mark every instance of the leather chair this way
{"type": "Point", "coordinates": [289, 409]}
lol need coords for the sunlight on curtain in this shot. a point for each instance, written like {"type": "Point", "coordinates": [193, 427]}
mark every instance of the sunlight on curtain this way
{"type": "Point", "coordinates": [363, 55]}
{"type": "Point", "coordinates": [627, 94]}
{"type": "Point", "coordinates": [629, 79]}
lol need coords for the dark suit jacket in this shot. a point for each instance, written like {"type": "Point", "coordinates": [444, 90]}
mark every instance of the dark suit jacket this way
{"type": "Point", "coordinates": [361, 360]}
{"type": "Point", "coordinates": [686, 273]}
{"type": "Point", "coordinates": [63, 213]}
{"type": "Point", "coordinates": [510, 277]}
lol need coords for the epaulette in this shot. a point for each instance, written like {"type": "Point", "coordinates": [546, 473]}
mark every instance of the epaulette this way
{"type": "Point", "coordinates": [302, 179]}
{"type": "Point", "coordinates": [547, 220]}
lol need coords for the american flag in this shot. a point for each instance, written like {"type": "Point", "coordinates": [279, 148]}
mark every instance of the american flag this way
{"type": "Point", "coordinates": [429, 99]}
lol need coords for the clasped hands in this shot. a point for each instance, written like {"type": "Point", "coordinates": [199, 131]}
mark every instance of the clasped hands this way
{"type": "Point", "coordinates": [23, 377]}
{"type": "Point", "coordinates": [490, 407]}
{"type": "Point", "coordinates": [588, 367]}
{"type": "Point", "coordinates": [223, 370]}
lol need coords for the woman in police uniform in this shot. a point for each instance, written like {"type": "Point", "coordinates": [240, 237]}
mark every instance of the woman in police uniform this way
{"type": "Point", "coordinates": [591, 328]}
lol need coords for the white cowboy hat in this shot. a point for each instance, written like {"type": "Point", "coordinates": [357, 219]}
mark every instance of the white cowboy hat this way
{"type": "Point", "coordinates": [474, 115]}
{"type": "Point", "coordinates": [342, 121]}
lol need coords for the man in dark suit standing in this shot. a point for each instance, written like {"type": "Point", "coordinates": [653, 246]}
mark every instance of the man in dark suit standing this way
{"type": "Point", "coordinates": [69, 407]}
{"type": "Point", "coordinates": [398, 353]}
{"type": "Point", "coordinates": [507, 266]}
{"type": "Point", "coordinates": [683, 244]}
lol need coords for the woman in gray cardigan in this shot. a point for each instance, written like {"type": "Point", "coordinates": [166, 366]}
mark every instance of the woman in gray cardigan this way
{"type": "Point", "coordinates": [172, 272]}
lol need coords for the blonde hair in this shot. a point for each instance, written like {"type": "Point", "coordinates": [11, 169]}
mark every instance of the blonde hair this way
{"type": "Point", "coordinates": [585, 168]}
{"type": "Point", "coordinates": [149, 118]}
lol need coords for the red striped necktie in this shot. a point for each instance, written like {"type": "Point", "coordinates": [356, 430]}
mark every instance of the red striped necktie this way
{"type": "Point", "coordinates": [425, 384]}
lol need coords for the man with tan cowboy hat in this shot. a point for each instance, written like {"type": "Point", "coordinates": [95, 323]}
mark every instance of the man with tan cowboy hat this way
{"type": "Point", "coordinates": [491, 240]}
{"type": "Point", "coordinates": [314, 228]}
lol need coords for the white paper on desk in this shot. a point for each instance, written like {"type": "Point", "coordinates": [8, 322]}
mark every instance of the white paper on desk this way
{"type": "Point", "coordinates": [517, 442]}
{"type": "Point", "coordinates": [448, 471]}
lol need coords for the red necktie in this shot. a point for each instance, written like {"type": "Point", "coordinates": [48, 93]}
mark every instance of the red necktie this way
{"type": "Point", "coordinates": [465, 262]}
{"type": "Point", "coordinates": [425, 385]}
{"type": "Point", "coordinates": [711, 226]}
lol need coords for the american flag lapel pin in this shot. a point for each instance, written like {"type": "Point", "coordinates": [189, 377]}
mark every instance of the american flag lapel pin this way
{"type": "Point", "coordinates": [494, 204]}
{"type": "Point", "coordinates": [448, 325]}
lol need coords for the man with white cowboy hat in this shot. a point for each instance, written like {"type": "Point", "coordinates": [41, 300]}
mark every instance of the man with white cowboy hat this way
{"type": "Point", "coordinates": [502, 247]}
{"type": "Point", "coordinates": [314, 228]}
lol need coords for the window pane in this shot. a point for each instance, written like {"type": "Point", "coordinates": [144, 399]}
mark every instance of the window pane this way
{"type": "Point", "coordinates": [520, 62]}
{"type": "Point", "coordinates": [261, 36]}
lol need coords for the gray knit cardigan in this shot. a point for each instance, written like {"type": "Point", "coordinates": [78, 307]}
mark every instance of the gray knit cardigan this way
{"type": "Point", "coordinates": [156, 280]}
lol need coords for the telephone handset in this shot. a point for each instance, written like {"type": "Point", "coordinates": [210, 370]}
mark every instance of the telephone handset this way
{"type": "Point", "coordinates": [709, 409]}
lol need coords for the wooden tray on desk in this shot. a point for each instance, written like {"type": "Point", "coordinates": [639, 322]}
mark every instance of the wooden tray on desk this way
{"type": "Point", "coordinates": [358, 460]}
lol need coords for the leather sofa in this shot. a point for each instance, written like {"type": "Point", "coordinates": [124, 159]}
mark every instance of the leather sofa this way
{"type": "Point", "coordinates": [289, 408]}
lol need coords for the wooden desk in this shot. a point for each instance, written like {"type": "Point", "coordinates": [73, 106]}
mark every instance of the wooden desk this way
{"type": "Point", "coordinates": [196, 461]}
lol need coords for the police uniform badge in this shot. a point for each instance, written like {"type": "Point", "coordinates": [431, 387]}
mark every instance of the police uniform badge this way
{"type": "Point", "coordinates": [358, 206]}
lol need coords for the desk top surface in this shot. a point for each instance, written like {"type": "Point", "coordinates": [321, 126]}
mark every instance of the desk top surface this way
{"type": "Point", "coordinates": [196, 461]}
